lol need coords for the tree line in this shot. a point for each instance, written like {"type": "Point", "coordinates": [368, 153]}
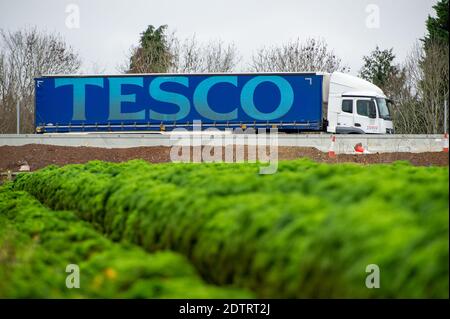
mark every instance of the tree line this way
{"type": "Point", "coordinates": [418, 86]}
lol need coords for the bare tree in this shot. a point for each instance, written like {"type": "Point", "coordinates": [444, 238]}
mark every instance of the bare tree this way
{"type": "Point", "coordinates": [420, 89]}
{"type": "Point", "coordinates": [296, 56]}
{"type": "Point", "coordinates": [186, 55]}
{"type": "Point", "coordinates": [434, 85]}
{"type": "Point", "coordinates": [220, 57]}
{"type": "Point", "coordinates": [406, 109]}
{"type": "Point", "coordinates": [24, 55]}
{"type": "Point", "coordinates": [190, 56]}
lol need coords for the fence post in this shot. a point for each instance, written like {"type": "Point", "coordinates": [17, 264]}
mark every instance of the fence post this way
{"type": "Point", "coordinates": [445, 115]}
{"type": "Point", "coordinates": [18, 117]}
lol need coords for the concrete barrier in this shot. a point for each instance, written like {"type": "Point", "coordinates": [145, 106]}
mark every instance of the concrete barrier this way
{"type": "Point", "coordinates": [344, 143]}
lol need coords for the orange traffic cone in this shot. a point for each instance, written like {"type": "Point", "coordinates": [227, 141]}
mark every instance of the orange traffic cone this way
{"type": "Point", "coordinates": [445, 147]}
{"type": "Point", "coordinates": [331, 152]}
{"type": "Point", "coordinates": [359, 149]}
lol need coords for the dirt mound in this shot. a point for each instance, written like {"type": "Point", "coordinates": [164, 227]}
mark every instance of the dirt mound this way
{"type": "Point", "coordinates": [38, 156]}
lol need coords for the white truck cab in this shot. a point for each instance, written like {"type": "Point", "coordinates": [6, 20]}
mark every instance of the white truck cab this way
{"type": "Point", "coordinates": [356, 106]}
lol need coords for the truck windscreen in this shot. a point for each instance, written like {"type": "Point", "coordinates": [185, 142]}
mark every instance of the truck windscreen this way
{"type": "Point", "coordinates": [383, 109]}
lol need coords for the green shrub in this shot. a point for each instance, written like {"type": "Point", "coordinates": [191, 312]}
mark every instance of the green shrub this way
{"type": "Point", "coordinates": [309, 230]}
{"type": "Point", "coordinates": [36, 245]}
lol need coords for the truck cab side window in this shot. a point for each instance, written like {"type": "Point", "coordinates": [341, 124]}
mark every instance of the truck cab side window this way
{"type": "Point", "coordinates": [347, 106]}
{"type": "Point", "coordinates": [362, 107]}
{"type": "Point", "coordinates": [366, 108]}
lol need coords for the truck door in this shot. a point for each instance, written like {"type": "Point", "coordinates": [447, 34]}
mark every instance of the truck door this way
{"type": "Point", "coordinates": [345, 116]}
{"type": "Point", "coordinates": [365, 116]}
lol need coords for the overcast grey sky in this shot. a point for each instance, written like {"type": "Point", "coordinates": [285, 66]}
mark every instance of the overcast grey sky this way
{"type": "Point", "coordinates": [108, 28]}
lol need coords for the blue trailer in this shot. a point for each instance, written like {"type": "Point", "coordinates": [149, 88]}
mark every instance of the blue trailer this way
{"type": "Point", "coordinates": [141, 102]}
{"type": "Point", "coordinates": [336, 103]}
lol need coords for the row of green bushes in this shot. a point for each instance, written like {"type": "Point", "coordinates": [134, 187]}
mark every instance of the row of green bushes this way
{"type": "Point", "coordinates": [36, 245]}
{"type": "Point", "coordinates": [309, 230]}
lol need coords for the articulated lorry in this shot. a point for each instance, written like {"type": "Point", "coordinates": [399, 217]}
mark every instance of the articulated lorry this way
{"type": "Point", "coordinates": [335, 103]}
